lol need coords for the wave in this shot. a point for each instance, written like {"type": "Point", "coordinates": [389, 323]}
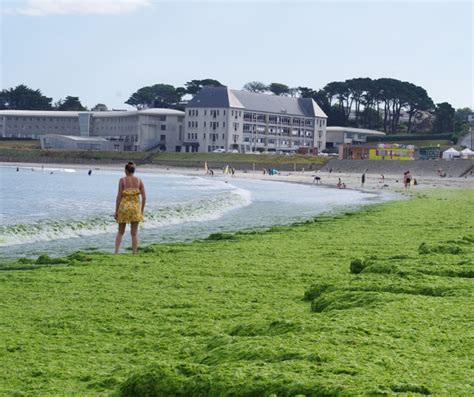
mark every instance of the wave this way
{"type": "Point", "coordinates": [192, 211]}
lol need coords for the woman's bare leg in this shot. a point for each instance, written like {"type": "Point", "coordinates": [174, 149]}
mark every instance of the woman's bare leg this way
{"type": "Point", "coordinates": [134, 233]}
{"type": "Point", "coordinates": [118, 238]}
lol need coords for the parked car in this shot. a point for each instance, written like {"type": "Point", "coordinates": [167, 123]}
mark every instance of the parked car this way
{"type": "Point", "coordinates": [218, 151]}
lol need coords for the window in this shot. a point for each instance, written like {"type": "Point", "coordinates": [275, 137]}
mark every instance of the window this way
{"type": "Point", "coordinates": [163, 137]}
{"type": "Point", "coordinates": [205, 112]}
{"type": "Point", "coordinates": [163, 127]}
{"type": "Point", "coordinates": [162, 118]}
{"type": "Point", "coordinates": [232, 113]}
{"type": "Point", "coordinates": [204, 124]}
{"type": "Point", "coordinates": [223, 136]}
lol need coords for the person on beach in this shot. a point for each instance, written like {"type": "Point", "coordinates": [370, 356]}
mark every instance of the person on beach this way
{"type": "Point", "coordinates": [406, 179]}
{"type": "Point", "coordinates": [362, 179]}
{"type": "Point", "coordinates": [128, 208]}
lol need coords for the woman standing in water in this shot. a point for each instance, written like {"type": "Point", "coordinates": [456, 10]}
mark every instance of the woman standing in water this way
{"type": "Point", "coordinates": [128, 208]}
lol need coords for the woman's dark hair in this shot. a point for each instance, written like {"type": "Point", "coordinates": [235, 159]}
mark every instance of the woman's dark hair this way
{"type": "Point", "coordinates": [130, 167]}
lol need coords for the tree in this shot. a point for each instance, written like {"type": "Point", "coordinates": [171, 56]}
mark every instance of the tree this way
{"type": "Point", "coordinates": [418, 101]}
{"type": "Point", "coordinates": [194, 86]}
{"type": "Point", "coordinates": [156, 96]}
{"type": "Point", "coordinates": [71, 103]}
{"type": "Point", "coordinates": [461, 120]}
{"type": "Point", "coordinates": [100, 107]}
{"type": "Point", "coordinates": [340, 91]}
{"type": "Point", "coordinates": [255, 86]}
{"type": "Point", "coordinates": [444, 118]}
{"type": "Point", "coordinates": [279, 89]}
{"type": "Point", "coordinates": [357, 88]}
{"type": "Point", "coordinates": [24, 98]}
{"type": "Point", "coordinates": [320, 97]}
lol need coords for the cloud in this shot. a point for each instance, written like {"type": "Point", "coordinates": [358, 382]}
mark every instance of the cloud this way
{"type": "Point", "coordinates": [77, 7]}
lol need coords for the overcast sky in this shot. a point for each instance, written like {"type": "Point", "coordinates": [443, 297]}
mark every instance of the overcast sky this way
{"type": "Point", "coordinates": [104, 50]}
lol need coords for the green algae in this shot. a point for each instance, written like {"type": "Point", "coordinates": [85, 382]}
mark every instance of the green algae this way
{"type": "Point", "coordinates": [274, 313]}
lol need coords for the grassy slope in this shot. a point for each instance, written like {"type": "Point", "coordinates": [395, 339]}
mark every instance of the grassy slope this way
{"type": "Point", "coordinates": [225, 316]}
{"type": "Point", "coordinates": [25, 151]}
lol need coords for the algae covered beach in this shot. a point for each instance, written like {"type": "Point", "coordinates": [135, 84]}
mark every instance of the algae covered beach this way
{"type": "Point", "coordinates": [372, 302]}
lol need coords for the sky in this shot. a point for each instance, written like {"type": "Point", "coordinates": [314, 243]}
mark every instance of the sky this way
{"type": "Point", "coordinates": [104, 50]}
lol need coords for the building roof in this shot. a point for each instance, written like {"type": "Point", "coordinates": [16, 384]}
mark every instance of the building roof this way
{"type": "Point", "coordinates": [57, 113]}
{"type": "Point", "coordinates": [77, 138]}
{"type": "Point", "coordinates": [215, 97]}
{"type": "Point", "coordinates": [223, 97]}
{"type": "Point", "coordinates": [38, 113]}
{"type": "Point", "coordinates": [352, 130]}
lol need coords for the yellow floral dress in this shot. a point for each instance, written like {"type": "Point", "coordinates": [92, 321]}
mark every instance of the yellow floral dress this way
{"type": "Point", "coordinates": [129, 208]}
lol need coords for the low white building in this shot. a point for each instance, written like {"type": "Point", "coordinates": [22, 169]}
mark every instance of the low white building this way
{"type": "Point", "coordinates": [219, 118]}
{"type": "Point", "coordinates": [148, 129]}
{"type": "Point", "coordinates": [336, 136]}
{"type": "Point", "coordinates": [71, 142]}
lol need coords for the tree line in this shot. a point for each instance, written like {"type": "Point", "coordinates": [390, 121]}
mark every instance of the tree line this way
{"type": "Point", "coordinates": [359, 102]}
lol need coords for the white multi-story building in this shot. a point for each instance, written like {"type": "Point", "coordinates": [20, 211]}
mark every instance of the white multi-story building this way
{"type": "Point", "coordinates": [126, 130]}
{"type": "Point", "coordinates": [225, 119]}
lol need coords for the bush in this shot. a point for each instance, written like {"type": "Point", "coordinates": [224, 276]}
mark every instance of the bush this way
{"type": "Point", "coordinates": [407, 137]}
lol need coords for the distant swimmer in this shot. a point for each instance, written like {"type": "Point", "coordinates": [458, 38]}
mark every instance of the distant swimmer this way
{"type": "Point", "coordinates": [89, 173]}
{"type": "Point", "coordinates": [17, 169]}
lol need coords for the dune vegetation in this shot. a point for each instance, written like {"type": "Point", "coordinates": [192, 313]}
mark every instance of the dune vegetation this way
{"type": "Point", "coordinates": [376, 302]}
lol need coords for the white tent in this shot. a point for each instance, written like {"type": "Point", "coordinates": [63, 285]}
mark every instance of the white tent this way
{"type": "Point", "coordinates": [450, 154]}
{"type": "Point", "coordinates": [467, 153]}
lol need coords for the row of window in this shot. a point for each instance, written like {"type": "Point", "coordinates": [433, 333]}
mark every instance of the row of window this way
{"type": "Point", "coordinates": [214, 112]}
{"type": "Point", "coordinates": [212, 124]}
{"type": "Point", "coordinates": [281, 142]}
{"type": "Point", "coordinates": [212, 136]}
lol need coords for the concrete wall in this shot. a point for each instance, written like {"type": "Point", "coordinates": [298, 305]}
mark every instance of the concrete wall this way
{"type": "Point", "coordinates": [453, 168]}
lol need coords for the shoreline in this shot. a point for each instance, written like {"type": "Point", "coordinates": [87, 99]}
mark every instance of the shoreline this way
{"type": "Point", "coordinates": [373, 182]}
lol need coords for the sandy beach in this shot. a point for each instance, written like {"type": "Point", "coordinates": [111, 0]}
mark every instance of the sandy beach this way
{"type": "Point", "coordinates": [353, 181]}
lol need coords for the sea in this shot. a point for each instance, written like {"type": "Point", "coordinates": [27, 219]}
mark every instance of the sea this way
{"type": "Point", "coordinates": [60, 210]}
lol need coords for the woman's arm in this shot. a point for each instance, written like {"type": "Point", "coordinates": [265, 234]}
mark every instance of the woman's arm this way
{"type": "Point", "coordinates": [143, 193]}
{"type": "Point", "coordinates": [119, 197]}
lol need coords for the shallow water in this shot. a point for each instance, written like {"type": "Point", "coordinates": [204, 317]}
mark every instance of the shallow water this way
{"type": "Point", "coordinates": [60, 210]}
